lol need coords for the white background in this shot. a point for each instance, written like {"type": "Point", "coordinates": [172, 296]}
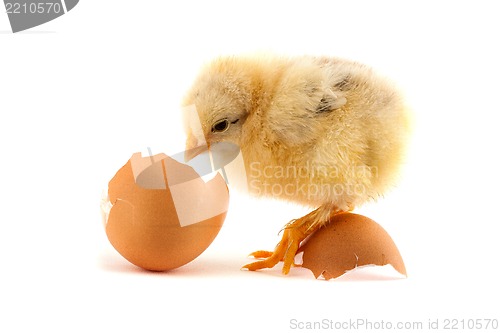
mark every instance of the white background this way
{"type": "Point", "coordinates": [80, 94]}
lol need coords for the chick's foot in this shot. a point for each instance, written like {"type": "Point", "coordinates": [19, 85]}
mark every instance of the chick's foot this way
{"type": "Point", "coordinates": [294, 233]}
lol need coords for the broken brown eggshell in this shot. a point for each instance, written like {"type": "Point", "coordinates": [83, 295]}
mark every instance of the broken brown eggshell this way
{"type": "Point", "coordinates": [160, 214]}
{"type": "Point", "coordinates": [347, 242]}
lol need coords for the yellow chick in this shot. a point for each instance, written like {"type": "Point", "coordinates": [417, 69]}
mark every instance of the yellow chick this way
{"type": "Point", "coordinates": [323, 132]}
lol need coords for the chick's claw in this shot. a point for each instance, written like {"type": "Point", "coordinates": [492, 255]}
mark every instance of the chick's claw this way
{"type": "Point", "coordinates": [261, 254]}
{"type": "Point", "coordinates": [285, 251]}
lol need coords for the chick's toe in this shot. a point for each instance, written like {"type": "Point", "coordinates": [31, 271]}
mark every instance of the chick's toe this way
{"type": "Point", "coordinates": [261, 254]}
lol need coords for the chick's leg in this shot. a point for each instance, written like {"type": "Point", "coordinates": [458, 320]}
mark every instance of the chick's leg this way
{"type": "Point", "coordinates": [294, 233]}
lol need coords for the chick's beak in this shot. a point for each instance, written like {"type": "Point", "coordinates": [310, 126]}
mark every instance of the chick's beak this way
{"type": "Point", "coordinates": [194, 147]}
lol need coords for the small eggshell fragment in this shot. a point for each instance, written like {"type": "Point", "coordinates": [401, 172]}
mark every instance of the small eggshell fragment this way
{"type": "Point", "coordinates": [349, 241]}
{"type": "Point", "coordinates": [163, 215]}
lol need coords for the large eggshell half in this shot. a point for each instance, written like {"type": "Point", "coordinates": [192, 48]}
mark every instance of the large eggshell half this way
{"type": "Point", "coordinates": [162, 215]}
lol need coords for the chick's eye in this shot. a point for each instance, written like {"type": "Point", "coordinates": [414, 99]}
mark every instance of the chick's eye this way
{"type": "Point", "coordinates": [221, 126]}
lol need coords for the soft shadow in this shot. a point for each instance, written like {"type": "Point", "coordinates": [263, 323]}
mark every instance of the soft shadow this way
{"type": "Point", "coordinates": [212, 266]}
{"type": "Point", "coordinates": [371, 274]}
{"type": "Point", "coordinates": [201, 266]}
{"type": "Point", "coordinates": [361, 274]}
{"type": "Point", "coordinates": [111, 263]}
{"type": "Point", "coordinates": [296, 272]}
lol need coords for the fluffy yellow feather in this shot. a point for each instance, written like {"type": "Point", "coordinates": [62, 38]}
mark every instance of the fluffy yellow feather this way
{"type": "Point", "coordinates": [324, 132]}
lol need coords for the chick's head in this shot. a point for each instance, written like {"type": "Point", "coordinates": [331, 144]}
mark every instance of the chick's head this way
{"type": "Point", "coordinates": [222, 98]}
